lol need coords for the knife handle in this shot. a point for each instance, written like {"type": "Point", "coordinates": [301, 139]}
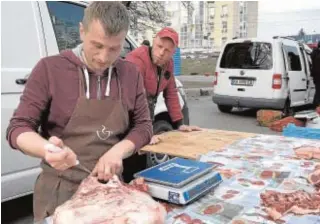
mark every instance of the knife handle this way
{"type": "Point", "coordinates": [54, 149]}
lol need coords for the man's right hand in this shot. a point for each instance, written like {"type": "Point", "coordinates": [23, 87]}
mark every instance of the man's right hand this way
{"type": "Point", "coordinates": [62, 160]}
{"type": "Point", "coordinates": [155, 140]}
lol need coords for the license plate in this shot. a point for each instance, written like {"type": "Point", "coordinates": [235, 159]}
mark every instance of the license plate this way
{"type": "Point", "coordinates": [242, 82]}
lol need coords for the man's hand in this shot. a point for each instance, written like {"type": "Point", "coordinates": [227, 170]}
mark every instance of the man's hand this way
{"type": "Point", "coordinates": [108, 165]}
{"type": "Point", "coordinates": [155, 140]}
{"type": "Point", "coordinates": [62, 160]}
{"type": "Point", "coordinates": [186, 128]}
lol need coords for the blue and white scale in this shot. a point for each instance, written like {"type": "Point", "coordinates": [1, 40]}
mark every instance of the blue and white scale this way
{"type": "Point", "coordinates": [180, 181]}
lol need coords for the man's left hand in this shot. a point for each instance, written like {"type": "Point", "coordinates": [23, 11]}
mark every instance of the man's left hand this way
{"type": "Point", "coordinates": [108, 165]}
{"type": "Point", "coordinates": [187, 128]}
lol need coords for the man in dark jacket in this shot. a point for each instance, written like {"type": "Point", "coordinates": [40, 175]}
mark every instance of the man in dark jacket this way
{"type": "Point", "coordinates": [315, 73]}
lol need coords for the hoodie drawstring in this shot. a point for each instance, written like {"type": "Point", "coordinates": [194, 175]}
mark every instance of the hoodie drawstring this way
{"type": "Point", "coordinates": [86, 74]}
{"type": "Point", "coordinates": [109, 81]}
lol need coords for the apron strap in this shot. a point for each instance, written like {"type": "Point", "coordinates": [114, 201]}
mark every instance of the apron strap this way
{"type": "Point", "coordinates": [119, 85]}
{"type": "Point", "coordinates": [119, 89]}
{"type": "Point", "coordinates": [82, 85]}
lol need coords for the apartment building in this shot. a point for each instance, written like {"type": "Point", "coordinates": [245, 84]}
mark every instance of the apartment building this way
{"type": "Point", "coordinates": [206, 26]}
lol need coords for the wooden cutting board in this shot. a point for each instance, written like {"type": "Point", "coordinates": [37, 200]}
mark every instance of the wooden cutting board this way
{"type": "Point", "coordinates": [193, 144]}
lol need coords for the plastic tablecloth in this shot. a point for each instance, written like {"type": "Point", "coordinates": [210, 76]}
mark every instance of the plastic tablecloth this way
{"type": "Point", "coordinates": [249, 167]}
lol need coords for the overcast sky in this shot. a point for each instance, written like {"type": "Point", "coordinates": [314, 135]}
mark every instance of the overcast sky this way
{"type": "Point", "coordinates": [285, 5]}
{"type": "Point", "coordinates": [283, 17]}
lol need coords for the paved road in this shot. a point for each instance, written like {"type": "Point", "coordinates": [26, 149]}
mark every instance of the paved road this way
{"type": "Point", "coordinates": [202, 112]}
{"type": "Point", "coordinates": [195, 78]}
{"type": "Point", "coordinates": [205, 113]}
{"type": "Point", "coordinates": [196, 81]}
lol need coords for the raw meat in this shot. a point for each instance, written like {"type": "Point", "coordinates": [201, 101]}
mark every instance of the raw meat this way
{"type": "Point", "coordinates": [186, 219]}
{"type": "Point", "coordinates": [299, 202]}
{"type": "Point", "coordinates": [110, 203]}
{"type": "Point", "coordinates": [308, 152]}
{"type": "Point", "coordinates": [314, 177]}
{"type": "Point", "coordinates": [266, 117]}
{"type": "Point", "coordinates": [213, 209]}
{"type": "Point", "coordinates": [281, 124]}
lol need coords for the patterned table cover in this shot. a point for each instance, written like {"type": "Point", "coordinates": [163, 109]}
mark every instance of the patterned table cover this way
{"type": "Point", "coordinates": [249, 167]}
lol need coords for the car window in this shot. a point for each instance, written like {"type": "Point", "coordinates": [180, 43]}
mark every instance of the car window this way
{"type": "Point", "coordinates": [247, 55]}
{"type": "Point", "coordinates": [294, 62]}
{"type": "Point", "coordinates": [127, 47]}
{"type": "Point", "coordinates": [65, 19]}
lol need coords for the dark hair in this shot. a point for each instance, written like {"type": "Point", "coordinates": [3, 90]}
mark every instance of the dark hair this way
{"type": "Point", "coordinates": [146, 42]}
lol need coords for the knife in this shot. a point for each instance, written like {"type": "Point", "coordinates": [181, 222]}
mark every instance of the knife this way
{"type": "Point", "coordinates": [52, 148]}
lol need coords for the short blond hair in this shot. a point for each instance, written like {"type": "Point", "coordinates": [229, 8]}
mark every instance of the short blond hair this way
{"type": "Point", "coordinates": [112, 15]}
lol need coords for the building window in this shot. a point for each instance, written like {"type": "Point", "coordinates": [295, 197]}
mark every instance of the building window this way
{"type": "Point", "coordinates": [211, 27]}
{"type": "Point", "coordinates": [201, 11]}
{"type": "Point", "coordinates": [198, 35]}
{"type": "Point", "coordinates": [223, 40]}
{"type": "Point", "coordinates": [211, 13]}
{"type": "Point", "coordinates": [183, 36]}
{"type": "Point", "coordinates": [224, 11]}
{"type": "Point", "coordinates": [224, 27]}
{"type": "Point", "coordinates": [210, 42]}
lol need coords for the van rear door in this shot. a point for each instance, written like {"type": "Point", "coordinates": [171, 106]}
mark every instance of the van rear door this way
{"type": "Point", "coordinates": [246, 70]}
{"type": "Point", "coordinates": [296, 72]}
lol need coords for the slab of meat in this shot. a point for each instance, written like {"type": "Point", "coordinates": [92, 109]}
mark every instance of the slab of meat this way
{"type": "Point", "coordinates": [299, 202]}
{"type": "Point", "coordinates": [111, 203]}
{"type": "Point", "coordinates": [308, 152]}
{"type": "Point", "coordinates": [314, 177]}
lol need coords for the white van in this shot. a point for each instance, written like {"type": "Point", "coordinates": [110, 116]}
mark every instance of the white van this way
{"type": "Point", "coordinates": [30, 31]}
{"type": "Point", "coordinates": [263, 73]}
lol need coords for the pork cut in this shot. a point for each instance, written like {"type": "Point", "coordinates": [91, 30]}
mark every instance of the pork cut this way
{"type": "Point", "coordinates": [110, 203]}
{"type": "Point", "coordinates": [300, 202]}
{"type": "Point", "coordinates": [308, 152]}
{"type": "Point", "coordinates": [314, 177]}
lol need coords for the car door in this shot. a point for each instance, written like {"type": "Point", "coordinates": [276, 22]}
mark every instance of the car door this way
{"type": "Point", "coordinates": [307, 69]}
{"type": "Point", "coordinates": [296, 73]}
{"type": "Point", "coordinates": [22, 45]}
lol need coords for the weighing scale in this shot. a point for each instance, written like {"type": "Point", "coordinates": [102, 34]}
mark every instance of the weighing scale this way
{"type": "Point", "coordinates": [180, 181]}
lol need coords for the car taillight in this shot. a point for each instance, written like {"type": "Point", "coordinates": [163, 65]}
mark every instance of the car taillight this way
{"type": "Point", "coordinates": [276, 81]}
{"type": "Point", "coordinates": [215, 78]}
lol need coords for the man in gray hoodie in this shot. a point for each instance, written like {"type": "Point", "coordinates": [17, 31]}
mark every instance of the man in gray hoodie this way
{"type": "Point", "coordinates": [90, 106]}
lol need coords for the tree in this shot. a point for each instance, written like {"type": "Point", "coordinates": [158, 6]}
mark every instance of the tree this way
{"type": "Point", "coordinates": [146, 15]}
{"type": "Point", "coordinates": [301, 33]}
{"type": "Point", "coordinates": [149, 14]}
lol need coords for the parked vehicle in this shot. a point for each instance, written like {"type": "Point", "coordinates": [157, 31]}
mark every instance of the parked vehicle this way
{"type": "Point", "coordinates": [30, 31]}
{"type": "Point", "coordinates": [263, 73]}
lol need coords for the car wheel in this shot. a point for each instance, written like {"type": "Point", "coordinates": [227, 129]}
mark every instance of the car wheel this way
{"type": "Point", "coordinates": [224, 108]}
{"type": "Point", "coordinates": [156, 158]}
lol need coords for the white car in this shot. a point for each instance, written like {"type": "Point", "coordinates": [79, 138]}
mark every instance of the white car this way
{"type": "Point", "coordinates": [263, 73]}
{"type": "Point", "coordinates": [30, 31]}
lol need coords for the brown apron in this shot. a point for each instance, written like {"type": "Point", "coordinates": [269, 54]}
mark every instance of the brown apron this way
{"type": "Point", "coordinates": [92, 130]}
